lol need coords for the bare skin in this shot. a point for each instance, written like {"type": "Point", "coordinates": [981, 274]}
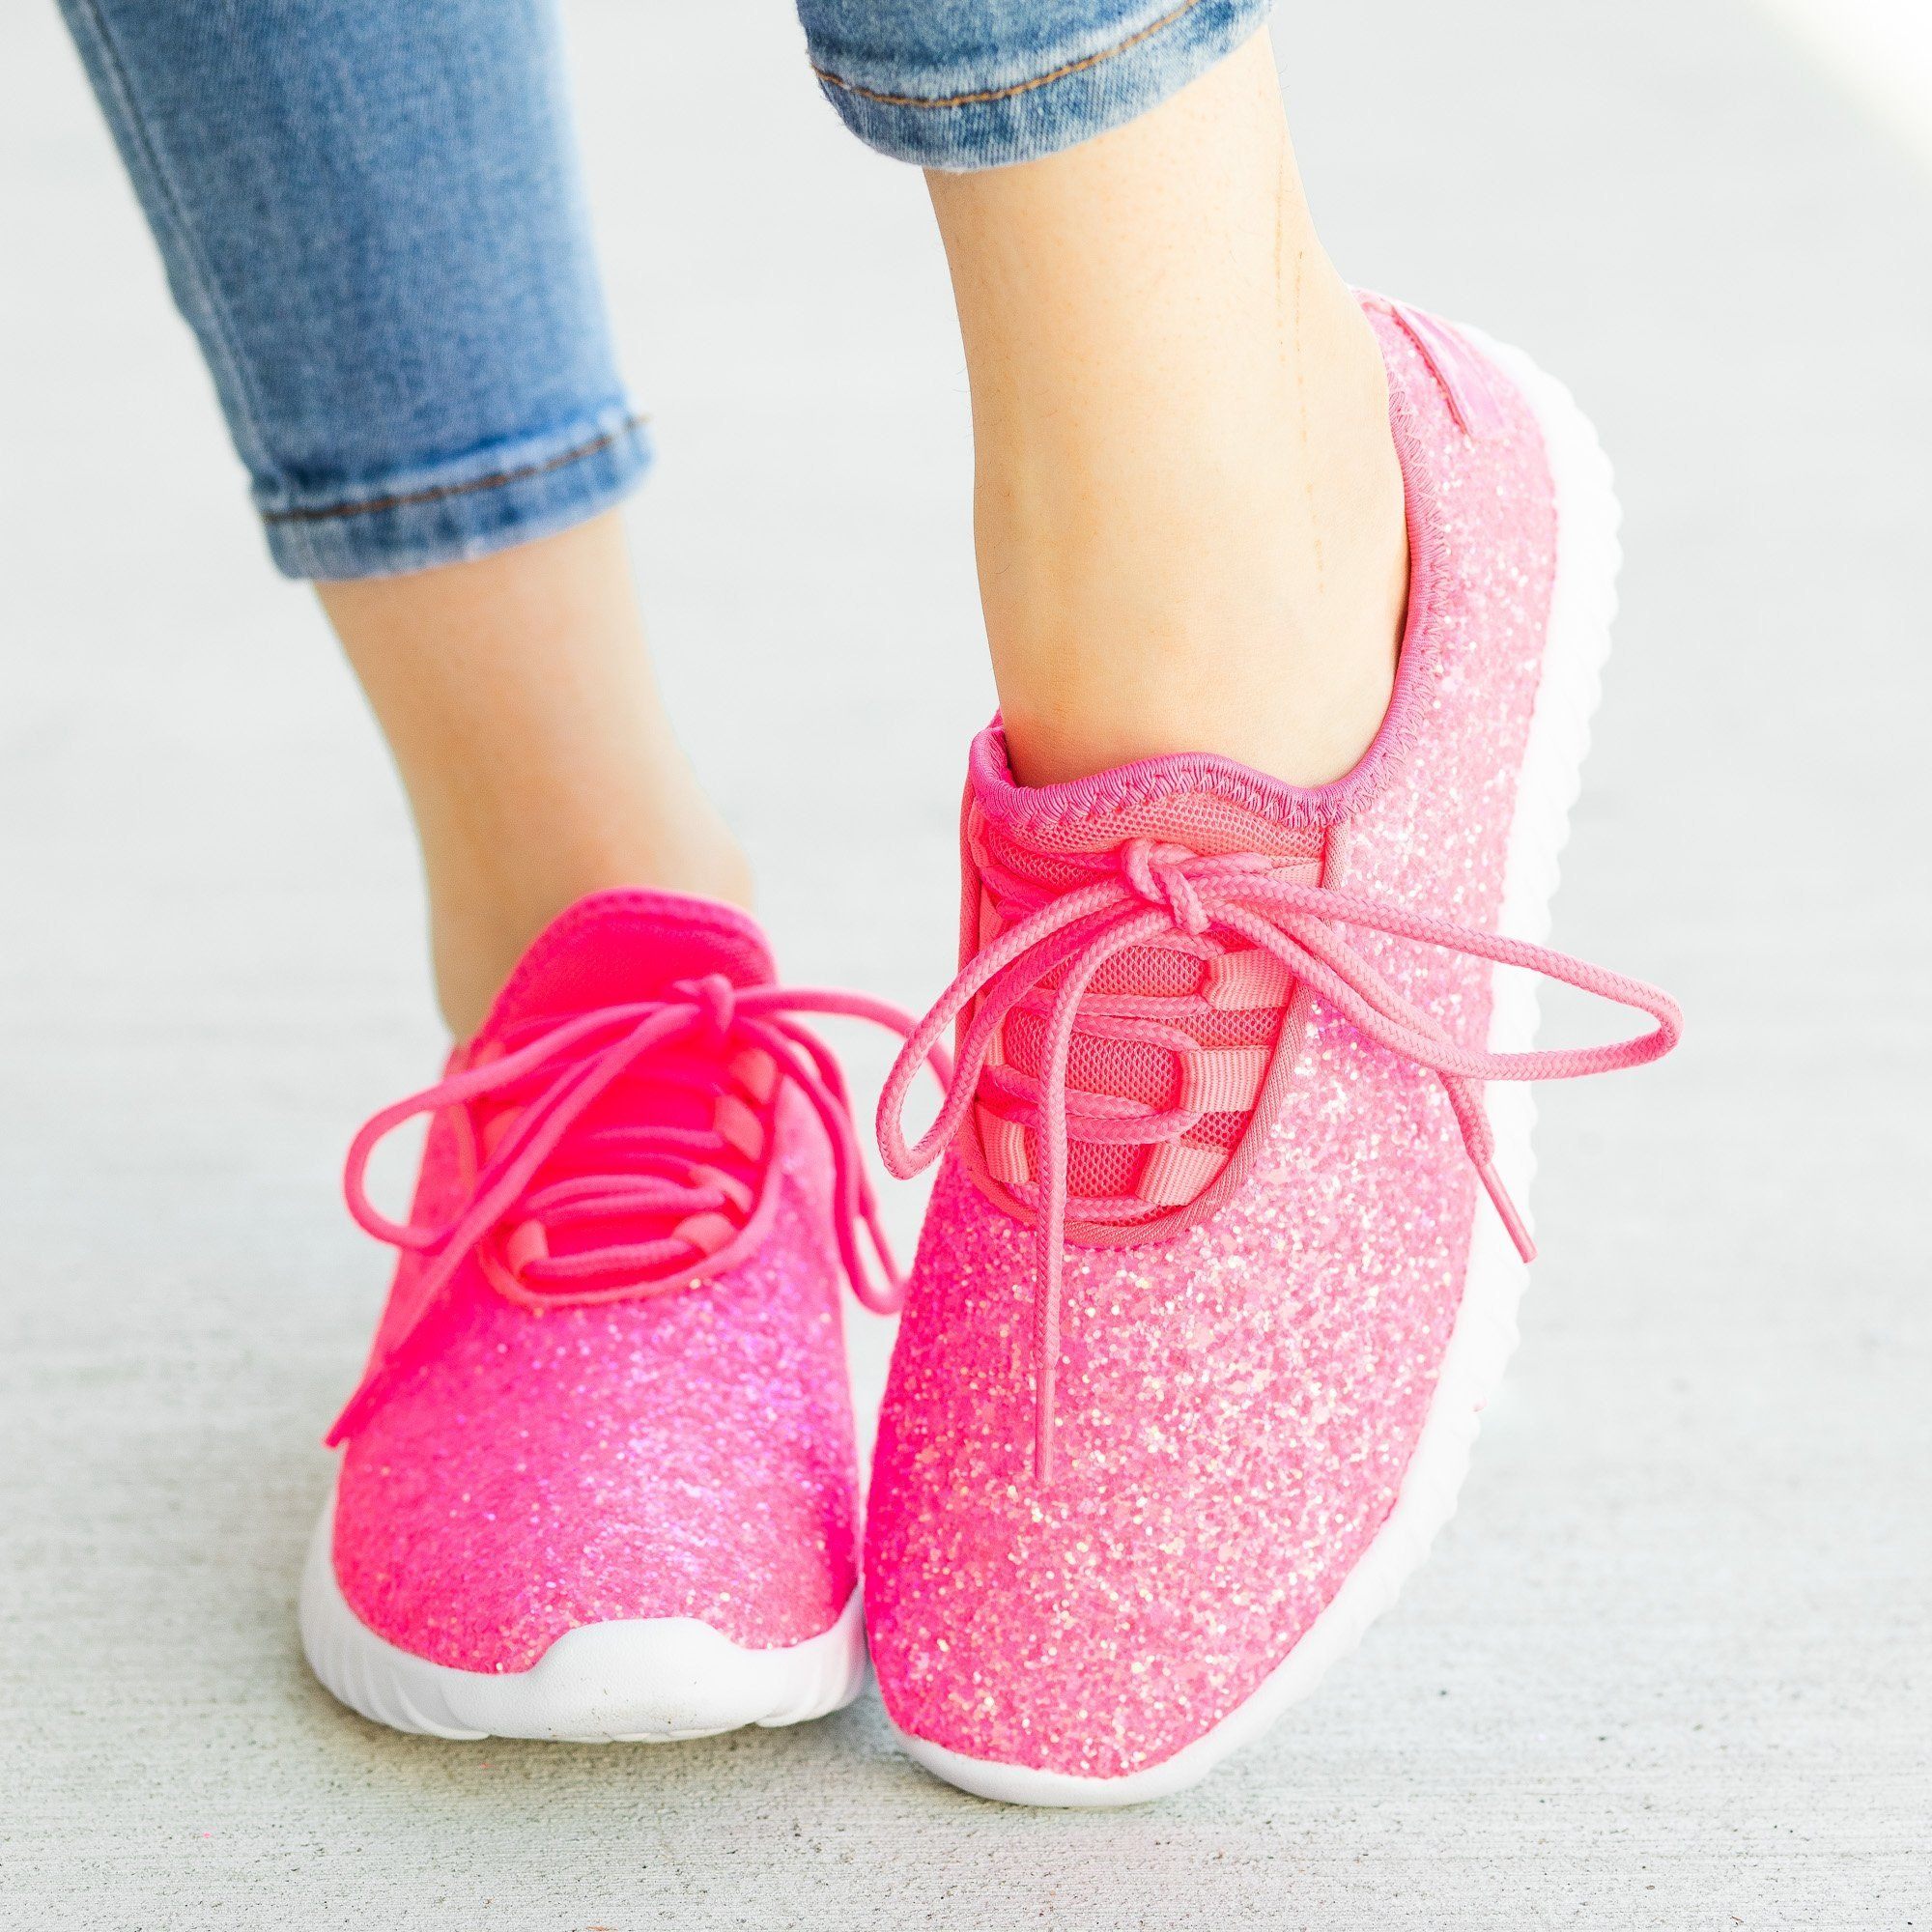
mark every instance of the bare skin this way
{"type": "Point", "coordinates": [1188, 516]}
{"type": "Point", "coordinates": [1189, 509]}
{"type": "Point", "coordinates": [518, 700]}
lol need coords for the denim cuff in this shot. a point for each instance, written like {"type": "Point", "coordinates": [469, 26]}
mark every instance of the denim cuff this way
{"type": "Point", "coordinates": [488, 500]}
{"type": "Point", "coordinates": [986, 109]}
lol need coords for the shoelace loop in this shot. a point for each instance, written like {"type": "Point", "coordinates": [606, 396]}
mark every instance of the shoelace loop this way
{"type": "Point", "coordinates": [1139, 894]}
{"type": "Point", "coordinates": [654, 1168]}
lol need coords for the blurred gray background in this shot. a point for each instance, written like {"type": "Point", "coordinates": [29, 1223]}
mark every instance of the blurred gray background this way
{"type": "Point", "coordinates": [1668, 1667]}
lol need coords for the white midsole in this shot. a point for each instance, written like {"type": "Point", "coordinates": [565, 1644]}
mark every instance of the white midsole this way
{"type": "Point", "coordinates": [646, 1680]}
{"type": "Point", "coordinates": [1582, 604]}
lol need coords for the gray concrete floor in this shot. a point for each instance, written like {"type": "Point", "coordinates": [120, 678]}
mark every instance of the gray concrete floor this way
{"type": "Point", "coordinates": [1670, 1665]}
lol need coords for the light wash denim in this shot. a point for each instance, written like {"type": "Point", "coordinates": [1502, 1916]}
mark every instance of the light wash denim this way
{"type": "Point", "coordinates": [371, 216]}
{"type": "Point", "coordinates": [963, 84]}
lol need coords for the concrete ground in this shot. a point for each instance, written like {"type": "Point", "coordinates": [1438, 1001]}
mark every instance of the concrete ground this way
{"type": "Point", "coordinates": [1668, 1667]}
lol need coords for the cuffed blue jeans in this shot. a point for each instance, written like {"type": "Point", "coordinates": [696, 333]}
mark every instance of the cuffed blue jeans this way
{"type": "Point", "coordinates": [371, 216]}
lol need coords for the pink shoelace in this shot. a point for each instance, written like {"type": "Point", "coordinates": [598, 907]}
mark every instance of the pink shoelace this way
{"type": "Point", "coordinates": [1047, 958]}
{"type": "Point", "coordinates": [702, 1182]}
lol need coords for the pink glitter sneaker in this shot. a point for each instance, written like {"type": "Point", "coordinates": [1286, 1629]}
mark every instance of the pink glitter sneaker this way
{"type": "Point", "coordinates": [1209, 1292]}
{"type": "Point", "coordinates": [599, 1479]}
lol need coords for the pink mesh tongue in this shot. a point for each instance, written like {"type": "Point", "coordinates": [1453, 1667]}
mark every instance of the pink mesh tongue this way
{"type": "Point", "coordinates": [1206, 805]}
{"type": "Point", "coordinates": [619, 946]}
{"type": "Point", "coordinates": [613, 949]}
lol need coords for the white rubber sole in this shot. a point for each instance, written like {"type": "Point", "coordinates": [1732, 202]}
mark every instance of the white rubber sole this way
{"type": "Point", "coordinates": [644, 1681]}
{"type": "Point", "coordinates": [1583, 602]}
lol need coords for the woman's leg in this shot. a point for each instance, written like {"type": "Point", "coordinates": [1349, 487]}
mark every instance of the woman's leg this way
{"type": "Point", "coordinates": [1196, 1329]}
{"type": "Point", "coordinates": [609, 1387]}
{"type": "Point", "coordinates": [1189, 512]}
{"type": "Point", "coordinates": [372, 219]}
{"type": "Point", "coordinates": [517, 696]}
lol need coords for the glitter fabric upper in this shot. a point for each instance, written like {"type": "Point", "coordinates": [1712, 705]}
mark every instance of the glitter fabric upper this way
{"type": "Point", "coordinates": [1235, 1406]}
{"type": "Point", "coordinates": [532, 1467]}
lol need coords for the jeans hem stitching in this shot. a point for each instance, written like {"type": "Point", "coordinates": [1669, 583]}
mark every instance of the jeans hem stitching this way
{"type": "Point", "coordinates": [992, 94]}
{"type": "Point", "coordinates": [408, 500]}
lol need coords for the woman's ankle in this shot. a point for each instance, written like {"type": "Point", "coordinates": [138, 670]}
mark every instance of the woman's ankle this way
{"type": "Point", "coordinates": [517, 695]}
{"type": "Point", "coordinates": [1254, 613]}
{"type": "Point", "coordinates": [1189, 512]}
{"type": "Point", "coordinates": [482, 922]}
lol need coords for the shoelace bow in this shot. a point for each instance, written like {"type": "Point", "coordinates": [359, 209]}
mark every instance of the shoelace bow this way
{"type": "Point", "coordinates": [654, 1168]}
{"type": "Point", "coordinates": [1142, 893]}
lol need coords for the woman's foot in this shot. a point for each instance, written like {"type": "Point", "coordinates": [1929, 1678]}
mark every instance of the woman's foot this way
{"type": "Point", "coordinates": [599, 1478]}
{"type": "Point", "coordinates": [1210, 1291]}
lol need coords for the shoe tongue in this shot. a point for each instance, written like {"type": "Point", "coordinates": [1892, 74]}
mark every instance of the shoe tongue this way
{"type": "Point", "coordinates": [617, 947]}
{"type": "Point", "coordinates": [613, 949]}
{"type": "Point", "coordinates": [1207, 804]}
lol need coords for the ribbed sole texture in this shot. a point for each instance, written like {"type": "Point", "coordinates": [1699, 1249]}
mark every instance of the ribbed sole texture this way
{"type": "Point", "coordinates": [1583, 602]}
{"type": "Point", "coordinates": [645, 1680]}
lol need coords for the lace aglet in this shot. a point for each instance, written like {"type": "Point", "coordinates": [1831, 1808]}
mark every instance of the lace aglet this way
{"type": "Point", "coordinates": [1506, 1209]}
{"type": "Point", "coordinates": [1042, 1438]}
